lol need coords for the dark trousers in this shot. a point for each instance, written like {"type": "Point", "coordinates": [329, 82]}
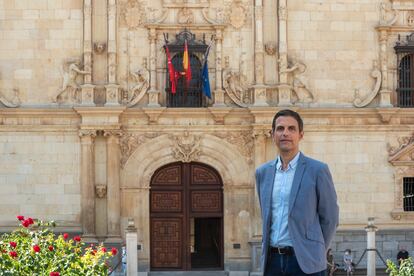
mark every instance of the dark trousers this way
{"type": "Point", "coordinates": [285, 265]}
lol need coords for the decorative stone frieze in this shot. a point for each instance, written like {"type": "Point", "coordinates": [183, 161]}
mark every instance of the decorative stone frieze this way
{"type": "Point", "coordinates": [243, 141]}
{"type": "Point", "coordinates": [186, 148]}
{"type": "Point", "coordinates": [130, 142]}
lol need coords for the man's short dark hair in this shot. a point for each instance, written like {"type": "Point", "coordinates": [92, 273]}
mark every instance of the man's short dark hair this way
{"type": "Point", "coordinates": [288, 113]}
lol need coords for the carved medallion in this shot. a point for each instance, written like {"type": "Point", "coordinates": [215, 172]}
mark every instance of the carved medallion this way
{"type": "Point", "coordinates": [186, 148]}
{"type": "Point", "coordinates": [133, 13]}
{"type": "Point", "coordinates": [238, 14]}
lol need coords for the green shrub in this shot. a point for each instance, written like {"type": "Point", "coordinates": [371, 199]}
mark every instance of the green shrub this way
{"type": "Point", "coordinates": [33, 249]}
{"type": "Point", "coordinates": [406, 268]}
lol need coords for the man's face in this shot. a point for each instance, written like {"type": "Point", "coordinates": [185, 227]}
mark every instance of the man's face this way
{"type": "Point", "coordinates": [287, 135]}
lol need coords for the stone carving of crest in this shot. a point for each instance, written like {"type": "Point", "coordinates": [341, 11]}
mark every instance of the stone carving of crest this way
{"type": "Point", "coordinates": [130, 142]}
{"type": "Point", "coordinates": [185, 16]}
{"type": "Point", "coordinates": [14, 102]}
{"type": "Point", "coordinates": [186, 148]}
{"type": "Point", "coordinates": [133, 13]}
{"type": "Point", "coordinates": [238, 14]}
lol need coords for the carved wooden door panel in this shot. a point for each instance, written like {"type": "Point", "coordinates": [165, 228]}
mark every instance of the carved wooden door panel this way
{"type": "Point", "coordinates": [181, 192]}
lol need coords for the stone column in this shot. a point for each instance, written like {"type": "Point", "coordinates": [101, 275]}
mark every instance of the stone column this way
{"type": "Point", "coordinates": [259, 88]}
{"type": "Point", "coordinates": [87, 39]}
{"type": "Point", "coordinates": [219, 92]}
{"type": "Point", "coordinates": [112, 89]}
{"type": "Point", "coordinates": [87, 166]}
{"type": "Point", "coordinates": [153, 93]}
{"type": "Point", "coordinates": [113, 185]}
{"type": "Point", "coordinates": [385, 92]}
{"type": "Point", "coordinates": [87, 90]}
{"type": "Point", "coordinates": [131, 249]}
{"type": "Point", "coordinates": [371, 229]}
{"type": "Point", "coordinates": [284, 88]}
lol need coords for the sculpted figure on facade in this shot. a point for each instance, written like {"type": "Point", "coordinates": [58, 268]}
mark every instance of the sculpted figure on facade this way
{"type": "Point", "coordinates": [361, 101]}
{"type": "Point", "coordinates": [388, 16]}
{"type": "Point", "coordinates": [141, 77]}
{"type": "Point", "coordinates": [14, 102]}
{"type": "Point", "coordinates": [185, 16]}
{"type": "Point", "coordinates": [235, 86]}
{"type": "Point", "coordinates": [70, 87]}
{"type": "Point", "coordinates": [403, 142]}
{"type": "Point", "coordinates": [294, 71]}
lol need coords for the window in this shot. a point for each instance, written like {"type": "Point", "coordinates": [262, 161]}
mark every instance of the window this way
{"type": "Point", "coordinates": [408, 193]}
{"type": "Point", "coordinates": [405, 67]}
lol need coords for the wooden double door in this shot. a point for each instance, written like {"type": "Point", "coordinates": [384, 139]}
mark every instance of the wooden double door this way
{"type": "Point", "coordinates": [186, 218]}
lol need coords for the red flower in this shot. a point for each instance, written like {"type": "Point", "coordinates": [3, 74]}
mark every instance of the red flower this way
{"type": "Point", "coordinates": [65, 236]}
{"type": "Point", "coordinates": [13, 254]}
{"type": "Point", "coordinates": [103, 249]}
{"type": "Point", "coordinates": [36, 248]}
{"type": "Point", "coordinates": [51, 248]}
{"type": "Point", "coordinates": [54, 273]}
{"type": "Point", "coordinates": [13, 244]}
{"type": "Point", "coordinates": [26, 223]}
{"type": "Point", "coordinates": [93, 252]}
{"type": "Point", "coordinates": [30, 220]}
{"type": "Point", "coordinates": [114, 251]}
{"type": "Point", "coordinates": [20, 218]}
{"type": "Point", "coordinates": [77, 239]}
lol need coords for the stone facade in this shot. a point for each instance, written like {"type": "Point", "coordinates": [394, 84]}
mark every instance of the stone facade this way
{"type": "Point", "coordinates": [85, 122]}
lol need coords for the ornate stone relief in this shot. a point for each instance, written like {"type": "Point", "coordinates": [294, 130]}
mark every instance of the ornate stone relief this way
{"type": "Point", "coordinates": [130, 142]}
{"type": "Point", "coordinates": [186, 148]}
{"type": "Point", "coordinates": [359, 101]}
{"type": "Point", "coordinates": [14, 102]}
{"type": "Point", "coordinates": [237, 14]}
{"type": "Point", "coordinates": [185, 16]}
{"type": "Point", "coordinates": [141, 77]}
{"type": "Point", "coordinates": [270, 48]}
{"type": "Point", "coordinates": [133, 13]}
{"type": "Point", "coordinates": [100, 191]}
{"type": "Point", "coordinates": [68, 93]}
{"type": "Point", "coordinates": [388, 16]}
{"type": "Point", "coordinates": [403, 142]}
{"type": "Point", "coordinates": [410, 19]}
{"type": "Point", "coordinates": [282, 13]}
{"type": "Point", "coordinates": [99, 47]}
{"type": "Point", "coordinates": [235, 84]}
{"type": "Point", "coordinates": [294, 71]}
{"type": "Point", "coordinates": [243, 141]}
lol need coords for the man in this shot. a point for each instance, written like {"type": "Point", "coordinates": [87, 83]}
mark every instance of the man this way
{"type": "Point", "coordinates": [298, 204]}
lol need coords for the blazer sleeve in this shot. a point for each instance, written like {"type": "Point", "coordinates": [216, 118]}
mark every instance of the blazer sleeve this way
{"type": "Point", "coordinates": [257, 176]}
{"type": "Point", "coordinates": [328, 209]}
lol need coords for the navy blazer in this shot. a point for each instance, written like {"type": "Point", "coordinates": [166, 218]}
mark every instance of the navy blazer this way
{"type": "Point", "coordinates": [313, 211]}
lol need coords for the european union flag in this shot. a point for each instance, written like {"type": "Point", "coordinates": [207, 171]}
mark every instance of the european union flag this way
{"type": "Point", "coordinates": [205, 82]}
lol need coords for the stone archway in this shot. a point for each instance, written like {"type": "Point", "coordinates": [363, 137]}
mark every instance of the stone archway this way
{"type": "Point", "coordinates": [186, 217]}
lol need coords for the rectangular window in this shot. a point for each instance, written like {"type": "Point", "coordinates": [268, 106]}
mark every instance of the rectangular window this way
{"type": "Point", "coordinates": [408, 189]}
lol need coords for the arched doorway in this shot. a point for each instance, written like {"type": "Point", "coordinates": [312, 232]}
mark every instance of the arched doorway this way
{"type": "Point", "coordinates": [186, 218]}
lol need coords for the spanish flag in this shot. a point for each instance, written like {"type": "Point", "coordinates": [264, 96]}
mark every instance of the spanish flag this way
{"type": "Point", "coordinates": [171, 71]}
{"type": "Point", "coordinates": [186, 64]}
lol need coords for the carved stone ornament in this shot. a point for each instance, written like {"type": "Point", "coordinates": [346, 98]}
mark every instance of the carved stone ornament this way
{"type": "Point", "coordinates": [243, 141]}
{"type": "Point", "coordinates": [99, 47]}
{"type": "Point", "coordinates": [130, 142]}
{"type": "Point", "coordinates": [100, 191]}
{"type": "Point", "coordinates": [236, 88]}
{"type": "Point", "coordinates": [403, 143]}
{"type": "Point", "coordinates": [410, 19]}
{"type": "Point", "coordinates": [270, 48]}
{"type": "Point", "coordinates": [87, 132]}
{"type": "Point", "coordinates": [137, 92]}
{"type": "Point", "coordinates": [282, 13]}
{"type": "Point", "coordinates": [238, 14]}
{"type": "Point", "coordinates": [388, 16]}
{"type": "Point", "coordinates": [359, 101]}
{"type": "Point", "coordinates": [68, 93]}
{"type": "Point", "coordinates": [14, 102]}
{"type": "Point", "coordinates": [133, 13]}
{"type": "Point", "coordinates": [186, 148]}
{"type": "Point", "coordinates": [185, 16]}
{"type": "Point", "coordinates": [294, 70]}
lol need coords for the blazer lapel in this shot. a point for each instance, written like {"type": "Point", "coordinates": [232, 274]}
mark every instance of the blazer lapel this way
{"type": "Point", "coordinates": [268, 189]}
{"type": "Point", "coordinates": [297, 179]}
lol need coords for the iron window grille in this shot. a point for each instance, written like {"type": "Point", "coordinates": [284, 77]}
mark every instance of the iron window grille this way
{"type": "Point", "coordinates": [408, 193]}
{"type": "Point", "coordinates": [405, 71]}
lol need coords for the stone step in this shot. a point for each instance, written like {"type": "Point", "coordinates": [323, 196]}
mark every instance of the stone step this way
{"type": "Point", "coordinates": [188, 273]}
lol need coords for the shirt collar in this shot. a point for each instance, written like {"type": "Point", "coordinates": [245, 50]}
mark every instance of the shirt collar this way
{"type": "Point", "coordinates": [292, 164]}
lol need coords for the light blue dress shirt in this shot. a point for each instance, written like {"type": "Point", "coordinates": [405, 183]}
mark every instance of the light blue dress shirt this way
{"type": "Point", "coordinates": [279, 232]}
